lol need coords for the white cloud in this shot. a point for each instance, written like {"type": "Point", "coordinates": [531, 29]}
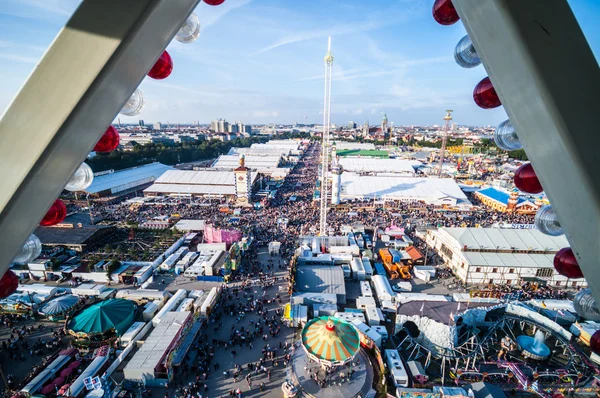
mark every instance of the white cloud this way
{"type": "Point", "coordinates": [19, 58]}
{"type": "Point", "coordinates": [209, 15]}
{"type": "Point", "coordinates": [397, 13]}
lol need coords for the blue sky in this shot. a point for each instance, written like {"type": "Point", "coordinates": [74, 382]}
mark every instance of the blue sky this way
{"type": "Point", "coordinates": [261, 61]}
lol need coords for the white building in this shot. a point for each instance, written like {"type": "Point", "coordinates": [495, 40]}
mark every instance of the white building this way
{"type": "Point", "coordinates": [207, 182]}
{"type": "Point", "coordinates": [501, 256]}
{"type": "Point", "coordinates": [436, 191]}
{"type": "Point", "coordinates": [379, 166]}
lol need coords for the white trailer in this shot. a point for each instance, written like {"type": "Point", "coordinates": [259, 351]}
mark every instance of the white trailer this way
{"type": "Point", "coordinates": [88, 289]}
{"type": "Point", "coordinates": [362, 303]}
{"type": "Point", "coordinates": [209, 303]}
{"type": "Point", "coordinates": [352, 249]}
{"type": "Point", "coordinates": [358, 271]}
{"type": "Point", "coordinates": [365, 289]}
{"type": "Point", "coordinates": [130, 334]}
{"type": "Point", "coordinates": [351, 316]}
{"type": "Point", "coordinates": [186, 305]}
{"type": "Point", "coordinates": [173, 258]}
{"type": "Point", "coordinates": [382, 287]}
{"type": "Point", "coordinates": [324, 310]}
{"type": "Point", "coordinates": [374, 316]}
{"type": "Point", "coordinates": [143, 295]}
{"type": "Point", "coordinates": [382, 331]}
{"type": "Point", "coordinates": [368, 268]}
{"type": "Point", "coordinates": [171, 305]}
{"type": "Point", "coordinates": [396, 368]}
{"type": "Point", "coordinates": [150, 310]}
{"type": "Point", "coordinates": [369, 332]}
{"type": "Point", "coordinates": [422, 275]}
{"type": "Point", "coordinates": [347, 271]}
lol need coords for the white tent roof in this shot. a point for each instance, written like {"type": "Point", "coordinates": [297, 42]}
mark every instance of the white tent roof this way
{"type": "Point", "coordinates": [252, 161]}
{"type": "Point", "coordinates": [361, 164]}
{"type": "Point", "coordinates": [513, 260]}
{"type": "Point", "coordinates": [399, 188]}
{"type": "Point", "coordinates": [343, 145]}
{"type": "Point", "coordinates": [192, 189]}
{"type": "Point", "coordinates": [506, 239]}
{"type": "Point", "coordinates": [142, 174]}
{"type": "Point", "coordinates": [199, 182]}
{"type": "Point", "coordinates": [199, 177]}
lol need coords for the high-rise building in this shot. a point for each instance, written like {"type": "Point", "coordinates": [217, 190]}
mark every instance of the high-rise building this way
{"type": "Point", "coordinates": [222, 126]}
{"type": "Point", "coordinates": [233, 128]}
{"type": "Point", "coordinates": [351, 125]}
{"type": "Point", "coordinates": [157, 126]}
{"type": "Point", "coordinates": [214, 125]}
{"type": "Point", "coordinates": [141, 123]}
{"type": "Point", "coordinates": [240, 127]}
{"type": "Point", "coordinates": [248, 129]}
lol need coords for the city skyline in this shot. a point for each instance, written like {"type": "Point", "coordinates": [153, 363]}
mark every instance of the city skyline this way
{"type": "Point", "coordinates": [390, 59]}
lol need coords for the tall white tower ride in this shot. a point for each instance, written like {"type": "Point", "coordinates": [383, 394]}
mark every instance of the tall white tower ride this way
{"type": "Point", "coordinates": [448, 119]}
{"type": "Point", "coordinates": [325, 145]}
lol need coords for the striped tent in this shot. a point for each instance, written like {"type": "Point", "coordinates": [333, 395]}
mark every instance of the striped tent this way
{"type": "Point", "coordinates": [330, 341]}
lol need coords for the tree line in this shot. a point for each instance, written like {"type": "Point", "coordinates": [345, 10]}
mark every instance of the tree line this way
{"type": "Point", "coordinates": [171, 154]}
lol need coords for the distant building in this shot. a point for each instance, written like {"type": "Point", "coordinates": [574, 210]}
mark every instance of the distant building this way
{"type": "Point", "coordinates": [122, 182]}
{"type": "Point", "coordinates": [351, 125]}
{"type": "Point", "coordinates": [141, 123]}
{"type": "Point", "coordinates": [501, 200]}
{"type": "Point", "coordinates": [384, 124]}
{"type": "Point", "coordinates": [157, 126]}
{"type": "Point", "coordinates": [206, 182]}
{"type": "Point", "coordinates": [496, 256]}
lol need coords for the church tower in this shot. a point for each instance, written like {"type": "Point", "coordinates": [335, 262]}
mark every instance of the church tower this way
{"type": "Point", "coordinates": [384, 124]}
{"type": "Point", "coordinates": [243, 184]}
{"type": "Point", "coordinates": [365, 129]}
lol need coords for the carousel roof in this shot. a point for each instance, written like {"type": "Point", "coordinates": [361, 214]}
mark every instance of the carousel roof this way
{"type": "Point", "coordinates": [330, 339]}
{"type": "Point", "coordinates": [59, 305]}
{"type": "Point", "coordinates": [103, 316]}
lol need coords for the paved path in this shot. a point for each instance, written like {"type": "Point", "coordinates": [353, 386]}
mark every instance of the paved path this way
{"type": "Point", "coordinates": [219, 384]}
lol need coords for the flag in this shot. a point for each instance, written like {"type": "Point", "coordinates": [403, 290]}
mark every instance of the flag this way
{"type": "Point", "coordinates": [560, 312]}
{"type": "Point", "coordinates": [544, 304]}
{"type": "Point", "coordinates": [422, 306]}
{"type": "Point", "coordinates": [451, 316]}
{"type": "Point", "coordinates": [458, 307]}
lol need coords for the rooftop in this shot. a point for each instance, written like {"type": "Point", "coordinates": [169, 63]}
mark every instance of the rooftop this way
{"type": "Point", "coordinates": [514, 260]}
{"type": "Point", "coordinates": [67, 236]}
{"type": "Point", "coordinates": [320, 279]}
{"type": "Point", "coordinates": [400, 188]}
{"type": "Point", "coordinates": [395, 166]}
{"type": "Point", "coordinates": [506, 239]}
{"type": "Point", "coordinates": [438, 311]}
{"type": "Point", "coordinates": [252, 161]}
{"type": "Point", "coordinates": [123, 179]}
{"type": "Point", "coordinates": [499, 195]}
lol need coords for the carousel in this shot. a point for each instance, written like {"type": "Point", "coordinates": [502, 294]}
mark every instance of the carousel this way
{"type": "Point", "coordinates": [330, 362]}
{"type": "Point", "coordinates": [60, 308]}
{"type": "Point", "coordinates": [101, 323]}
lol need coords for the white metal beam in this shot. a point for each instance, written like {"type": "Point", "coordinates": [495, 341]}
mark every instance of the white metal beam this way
{"type": "Point", "coordinates": [83, 80]}
{"type": "Point", "coordinates": [548, 80]}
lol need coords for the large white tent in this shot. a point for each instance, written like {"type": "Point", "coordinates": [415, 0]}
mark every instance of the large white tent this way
{"type": "Point", "coordinates": [374, 165]}
{"type": "Point", "coordinates": [437, 191]}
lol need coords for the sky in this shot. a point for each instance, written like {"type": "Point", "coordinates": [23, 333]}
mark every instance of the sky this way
{"type": "Point", "coordinates": [261, 61]}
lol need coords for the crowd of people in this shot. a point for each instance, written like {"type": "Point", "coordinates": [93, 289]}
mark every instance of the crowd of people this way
{"type": "Point", "coordinates": [291, 213]}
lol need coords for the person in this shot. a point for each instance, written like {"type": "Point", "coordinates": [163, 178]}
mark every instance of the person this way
{"type": "Point", "coordinates": [262, 386]}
